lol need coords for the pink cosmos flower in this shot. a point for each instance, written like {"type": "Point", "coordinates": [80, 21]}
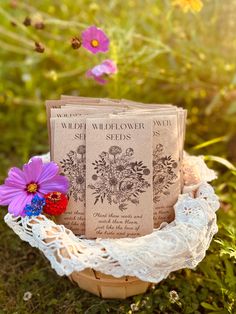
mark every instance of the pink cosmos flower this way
{"type": "Point", "coordinates": [95, 40]}
{"type": "Point", "coordinates": [98, 72]}
{"type": "Point", "coordinates": [36, 178]}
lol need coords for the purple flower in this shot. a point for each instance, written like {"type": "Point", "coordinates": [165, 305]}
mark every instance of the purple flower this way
{"type": "Point", "coordinates": [95, 40]}
{"type": "Point", "coordinates": [100, 71]}
{"type": "Point", "coordinates": [36, 178]}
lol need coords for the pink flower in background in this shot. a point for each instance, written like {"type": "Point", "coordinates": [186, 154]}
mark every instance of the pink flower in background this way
{"type": "Point", "coordinates": [36, 178]}
{"type": "Point", "coordinates": [98, 72]}
{"type": "Point", "coordinates": [95, 40]}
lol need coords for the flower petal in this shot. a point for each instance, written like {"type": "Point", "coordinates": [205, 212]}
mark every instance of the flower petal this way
{"type": "Point", "coordinates": [40, 194]}
{"type": "Point", "coordinates": [92, 32]}
{"type": "Point", "coordinates": [33, 169]}
{"type": "Point", "coordinates": [17, 205]}
{"type": "Point", "coordinates": [196, 5]}
{"type": "Point", "coordinates": [87, 45]}
{"type": "Point", "coordinates": [16, 177]}
{"type": "Point", "coordinates": [89, 73]}
{"type": "Point", "coordinates": [57, 184]}
{"type": "Point", "coordinates": [7, 193]}
{"type": "Point", "coordinates": [110, 66]}
{"type": "Point", "coordinates": [100, 80]}
{"type": "Point", "coordinates": [49, 171]}
{"type": "Point", "coordinates": [99, 70]}
{"type": "Point", "coordinates": [14, 183]}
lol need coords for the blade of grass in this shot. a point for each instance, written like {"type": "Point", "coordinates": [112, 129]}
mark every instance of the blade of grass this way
{"type": "Point", "coordinates": [221, 160]}
{"type": "Point", "coordinates": [211, 142]}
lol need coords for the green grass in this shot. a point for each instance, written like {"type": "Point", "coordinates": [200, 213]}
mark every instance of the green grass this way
{"type": "Point", "coordinates": [163, 55]}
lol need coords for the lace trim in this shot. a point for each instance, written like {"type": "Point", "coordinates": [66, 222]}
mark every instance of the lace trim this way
{"type": "Point", "coordinates": [180, 244]}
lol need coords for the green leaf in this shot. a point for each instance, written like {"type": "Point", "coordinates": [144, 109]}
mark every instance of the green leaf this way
{"type": "Point", "coordinates": [209, 306]}
{"type": "Point", "coordinates": [211, 142]}
{"type": "Point", "coordinates": [222, 161]}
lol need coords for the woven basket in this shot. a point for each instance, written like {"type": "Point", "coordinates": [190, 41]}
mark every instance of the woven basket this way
{"type": "Point", "coordinates": [55, 241]}
{"type": "Point", "coordinates": [107, 286]}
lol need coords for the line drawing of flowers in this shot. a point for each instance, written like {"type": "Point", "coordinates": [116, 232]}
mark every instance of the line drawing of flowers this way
{"type": "Point", "coordinates": [74, 167]}
{"type": "Point", "coordinates": [118, 178]}
{"type": "Point", "coordinates": [163, 173]}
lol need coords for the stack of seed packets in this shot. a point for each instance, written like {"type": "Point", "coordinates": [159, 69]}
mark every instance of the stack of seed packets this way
{"type": "Point", "coordinates": [123, 160]}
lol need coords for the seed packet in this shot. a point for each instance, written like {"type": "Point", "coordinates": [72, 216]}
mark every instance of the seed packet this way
{"type": "Point", "coordinates": [69, 152]}
{"type": "Point", "coordinates": [119, 190]}
{"type": "Point", "coordinates": [167, 137]}
{"type": "Point", "coordinates": [166, 162]}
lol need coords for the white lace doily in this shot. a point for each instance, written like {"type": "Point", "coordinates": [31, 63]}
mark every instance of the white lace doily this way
{"type": "Point", "coordinates": [180, 244]}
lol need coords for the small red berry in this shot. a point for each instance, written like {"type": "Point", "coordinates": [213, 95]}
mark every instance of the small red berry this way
{"type": "Point", "coordinates": [56, 203]}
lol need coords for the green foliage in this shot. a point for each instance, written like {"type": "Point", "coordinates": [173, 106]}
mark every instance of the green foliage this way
{"type": "Point", "coordinates": [163, 56]}
{"type": "Point", "coordinates": [228, 243]}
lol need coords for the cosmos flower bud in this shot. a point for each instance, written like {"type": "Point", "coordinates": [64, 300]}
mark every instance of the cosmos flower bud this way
{"type": "Point", "coordinates": [75, 42]}
{"type": "Point", "coordinates": [39, 47]}
{"type": "Point", "coordinates": [27, 21]}
{"type": "Point", "coordinates": [39, 25]}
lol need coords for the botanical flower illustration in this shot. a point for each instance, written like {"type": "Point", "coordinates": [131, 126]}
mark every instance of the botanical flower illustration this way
{"type": "Point", "coordinates": [95, 40]}
{"type": "Point", "coordinates": [189, 5]}
{"type": "Point", "coordinates": [36, 178]}
{"type": "Point", "coordinates": [73, 166]}
{"type": "Point", "coordinates": [102, 70]}
{"type": "Point", "coordinates": [118, 178]}
{"type": "Point", "coordinates": [163, 173]}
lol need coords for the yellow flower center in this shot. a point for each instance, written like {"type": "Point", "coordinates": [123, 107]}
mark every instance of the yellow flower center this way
{"type": "Point", "coordinates": [55, 196]}
{"type": "Point", "coordinates": [32, 188]}
{"type": "Point", "coordinates": [94, 43]}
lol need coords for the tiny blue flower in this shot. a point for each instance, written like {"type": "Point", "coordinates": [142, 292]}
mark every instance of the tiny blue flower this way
{"type": "Point", "coordinates": [36, 206]}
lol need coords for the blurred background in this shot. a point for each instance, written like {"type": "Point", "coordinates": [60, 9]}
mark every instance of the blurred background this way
{"type": "Point", "coordinates": [163, 55]}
